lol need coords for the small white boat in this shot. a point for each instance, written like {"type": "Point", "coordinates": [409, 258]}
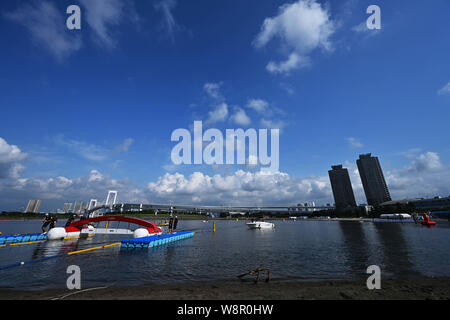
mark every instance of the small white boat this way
{"type": "Point", "coordinates": [260, 225]}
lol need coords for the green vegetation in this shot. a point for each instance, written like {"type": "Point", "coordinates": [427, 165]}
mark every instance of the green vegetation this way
{"type": "Point", "coordinates": [17, 215]}
{"type": "Point", "coordinates": [21, 215]}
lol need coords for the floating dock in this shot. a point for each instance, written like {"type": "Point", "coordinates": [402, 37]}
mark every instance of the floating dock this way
{"type": "Point", "coordinates": [22, 238]}
{"type": "Point", "coordinates": [155, 241]}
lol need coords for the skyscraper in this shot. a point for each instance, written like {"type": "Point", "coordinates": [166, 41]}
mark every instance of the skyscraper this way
{"type": "Point", "coordinates": [342, 187]}
{"type": "Point", "coordinates": [33, 206]}
{"type": "Point", "coordinates": [77, 207]}
{"type": "Point", "coordinates": [67, 207]}
{"type": "Point", "coordinates": [372, 178]}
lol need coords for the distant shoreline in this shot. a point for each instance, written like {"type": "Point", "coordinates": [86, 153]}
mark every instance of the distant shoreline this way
{"type": "Point", "coordinates": [181, 217]}
{"type": "Point", "coordinates": [391, 289]}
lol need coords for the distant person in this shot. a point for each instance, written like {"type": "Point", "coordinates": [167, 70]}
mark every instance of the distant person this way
{"type": "Point", "coordinates": [175, 223]}
{"type": "Point", "coordinates": [170, 224]}
{"type": "Point", "coordinates": [53, 222]}
{"type": "Point", "coordinates": [70, 220]}
{"type": "Point", "coordinates": [47, 220]}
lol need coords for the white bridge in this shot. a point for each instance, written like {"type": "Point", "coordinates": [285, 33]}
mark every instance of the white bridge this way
{"type": "Point", "coordinates": [95, 208]}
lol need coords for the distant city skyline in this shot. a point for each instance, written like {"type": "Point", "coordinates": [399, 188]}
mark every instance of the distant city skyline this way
{"type": "Point", "coordinates": [91, 110]}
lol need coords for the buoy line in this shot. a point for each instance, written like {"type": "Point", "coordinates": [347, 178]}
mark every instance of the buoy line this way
{"type": "Point", "coordinates": [20, 244]}
{"type": "Point", "coordinates": [18, 264]}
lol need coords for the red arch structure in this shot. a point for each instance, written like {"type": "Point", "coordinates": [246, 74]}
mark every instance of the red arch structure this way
{"type": "Point", "coordinates": [151, 227]}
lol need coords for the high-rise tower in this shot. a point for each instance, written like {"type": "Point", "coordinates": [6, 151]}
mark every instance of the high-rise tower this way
{"type": "Point", "coordinates": [33, 206]}
{"type": "Point", "coordinates": [372, 178]}
{"type": "Point", "coordinates": [342, 187]}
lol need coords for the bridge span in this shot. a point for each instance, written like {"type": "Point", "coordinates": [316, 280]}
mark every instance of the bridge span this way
{"type": "Point", "coordinates": [128, 207]}
{"type": "Point", "coordinates": [111, 205]}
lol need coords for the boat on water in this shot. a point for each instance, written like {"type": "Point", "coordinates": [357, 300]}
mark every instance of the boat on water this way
{"type": "Point", "coordinates": [427, 222]}
{"type": "Point", "coordinates": [395, 217]}
{"type": "Point", "coordinates": [260, 225]}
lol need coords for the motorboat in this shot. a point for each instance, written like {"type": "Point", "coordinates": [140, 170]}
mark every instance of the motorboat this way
{"type": "Point", "coordinates": [260, 225]}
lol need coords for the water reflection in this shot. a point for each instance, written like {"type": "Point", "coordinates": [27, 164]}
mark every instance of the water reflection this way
{"type": "Point", "coordinates": [394, 249]}
{"type": "Point", "coordinates": [51, 248]}
{"type": "Point", "coordinates": [356, 246]}
{"type": "Point", "coordinates": [303, 249]}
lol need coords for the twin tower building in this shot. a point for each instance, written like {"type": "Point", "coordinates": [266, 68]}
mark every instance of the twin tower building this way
{"type": "Point", "coordinates": [372, 178]}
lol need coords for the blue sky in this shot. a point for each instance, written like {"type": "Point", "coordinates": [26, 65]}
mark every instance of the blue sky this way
{"type": "Point", "coordinates": [87, 110]}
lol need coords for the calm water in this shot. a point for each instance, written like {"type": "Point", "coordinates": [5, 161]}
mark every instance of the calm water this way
{"type": "Point", "coordinates": [293, 250]}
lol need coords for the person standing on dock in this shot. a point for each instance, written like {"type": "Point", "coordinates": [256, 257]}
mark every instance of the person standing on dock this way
{"type": "Point", "coordinates": [53, 222]}
{"type": "Point", "coordinates": [47, 220]}
{"type": "Point", "coordinates": [170, 224]}
{"type": "Point", "coordinates": [175, 222]}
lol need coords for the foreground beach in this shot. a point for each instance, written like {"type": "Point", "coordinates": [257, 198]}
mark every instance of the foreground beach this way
{"type": "Point", "coordinates": [391, 289]}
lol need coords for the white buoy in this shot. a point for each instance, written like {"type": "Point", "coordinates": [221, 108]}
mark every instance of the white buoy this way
{"type": "Point", "coordinates": [140, 233]}
{"type": "Point", "coordinates": [56, 234]}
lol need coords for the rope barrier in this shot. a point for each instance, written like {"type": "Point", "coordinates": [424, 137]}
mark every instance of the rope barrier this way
{"type": "Point", "coordinates": [18, 264]}
{"type": "Point", "coordinates": [20, 244]}
{"type": "Point", "coordinates": [92, 249]}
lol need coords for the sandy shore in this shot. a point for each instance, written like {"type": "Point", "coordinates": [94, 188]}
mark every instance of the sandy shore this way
{"type": "Point", "coordinates": [392, 289]}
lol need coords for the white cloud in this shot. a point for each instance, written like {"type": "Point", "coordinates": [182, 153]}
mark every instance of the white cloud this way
{"type": "Point", "coordinates": [91, 151]}
{"type": "Point", "coordinates": [240, 117]}
{"type": "Point", "coordinates": [429, 161]}
{"type": "Point", "coordinates": [239, 188]}
{"type": "Point", "coordinates": [124, 146]}
{"type": "Point", "coordinates": [288, 88]}
{"type": "Point", "coordinates": [272, 123]}
{"type": "Point", "coordinates": [213, 90]}
{"type": "Point", "coordinates": [268, 113]}
{"type": "Point", "coordinates": [444, 90]}
{"type": "Point", "coordinates": [102, 14]}
{"type": "Point", "coordinates": [259, 105]}
{"type": "Point", "coordinates": [302, 27]}
{"type": "Point", "coordinates": [95, 175]}
{"type": "Point", "coordinates": [426, 176]}
{"type": "Point", "coordinates": [10, 157]}
{"type": "Point", "coordinates": [47, 27]}
{"type": "Point", "coordinates": [219, 114]}
{"type": "Point", "coordinates": [166, 7]}
{"type": "Point", "coordinates": [294, 61]}
{"type": "Point", "coordinates": [362, 29]}
{"type": "Point", "coordinates": [410, 153]}
{"type": "Point", "coordinates": [56, 191]}
{"type": "Point", "coordinates": [354, 143]}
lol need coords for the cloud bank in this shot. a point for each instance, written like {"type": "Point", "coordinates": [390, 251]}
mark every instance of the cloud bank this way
{"type": "Point", "coordinates": [425, 176]}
